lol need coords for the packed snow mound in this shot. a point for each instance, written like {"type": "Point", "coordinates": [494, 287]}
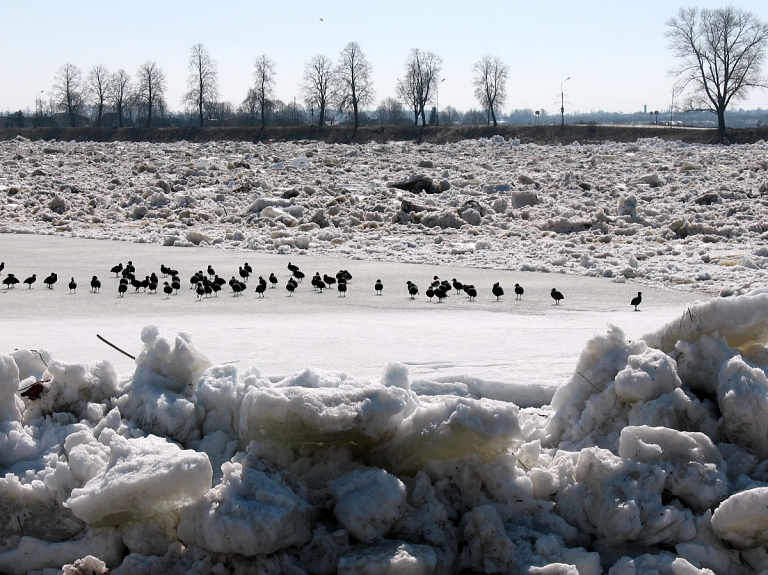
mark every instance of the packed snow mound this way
{"type": "Point", "coordinates": [652, 458]}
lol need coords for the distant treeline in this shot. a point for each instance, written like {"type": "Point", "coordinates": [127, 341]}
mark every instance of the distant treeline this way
{"type": "Point", "coordinates": [547, 134]}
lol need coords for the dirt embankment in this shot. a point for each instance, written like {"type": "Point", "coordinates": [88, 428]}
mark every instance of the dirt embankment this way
{"type": "Point", "coordinates": [584, 134]}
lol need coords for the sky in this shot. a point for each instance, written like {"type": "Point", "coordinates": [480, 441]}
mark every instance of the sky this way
{"type": "Point", "coordinates": [615, 53]}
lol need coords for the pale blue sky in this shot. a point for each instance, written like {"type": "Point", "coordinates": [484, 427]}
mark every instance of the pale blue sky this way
{"type": "Point", "coordinates": [615, 52]}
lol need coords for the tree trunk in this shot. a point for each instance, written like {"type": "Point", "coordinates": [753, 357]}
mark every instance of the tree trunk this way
{"type": "Point", "coordinates": [263, 116]}
{"type": "Point", "coordinates": [354, 108]}
{"type": "Point", "coordinates": [493, 115]}
{"type": "Point", "coordinates": [721, 125]}
{"type": "Point", "coordinates": [321, 116]}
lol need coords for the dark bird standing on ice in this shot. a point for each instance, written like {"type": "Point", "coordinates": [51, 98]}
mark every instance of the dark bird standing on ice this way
{"type": "Point", "coordinates": [50, 280]}
{"type": "Point", "coordinates": [430, 293]}
{"type": "Point", "coordinates": [497, 290]}
{"type": "Point", "coordinates": [95, 284]}
{"type": "Point", "coordinates": [519, 291]}
{"type": "Point", "coordinates": [378, 286]}
{"type": "Point", "coordinates": [261, 288]}
{"type": "Point", "coordinates": [413, 289]}
{"type": "Point", "coordinates": [167, 289]}
{"type": "Point", "coordinates": [30, 280]}
{"type": "Point", "coordinates": [273, 280]}
{"type": "Point", "coordinates": [121, 289]}
{"type": "Point", "coordinates": [10, 280]}
{"type": "Point", "coordinates": [117, 269]}
{"type": "Point", "coordinates": [2, 266]}
{"type": "Point", "coordinates": [556, 295]}
{"type": "Point", "coordinates": [72, 285]}
{"type": "Point", "coordinates": [290, 286]}
{"type": "Point", "coordinates": [457, 285]}
{"type": "Point", "coordinates": [471, 292]}
{"type": "Point", "coordinates": [636, 300]}
{"type": "Point", "coordinates": [342, 287]}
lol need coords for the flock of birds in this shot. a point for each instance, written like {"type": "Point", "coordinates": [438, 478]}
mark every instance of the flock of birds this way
{"type": "Point", "coordinates": [208, 283]}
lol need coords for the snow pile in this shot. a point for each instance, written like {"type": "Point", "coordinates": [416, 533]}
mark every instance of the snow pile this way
{"type": "Point", "coordinates": [651, 459]}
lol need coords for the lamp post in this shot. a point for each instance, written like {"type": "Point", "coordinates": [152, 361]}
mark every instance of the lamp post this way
{"type": "Point", "coordinates": [562, 103]}
{"type": "Point", "coordinates": [437, 102]}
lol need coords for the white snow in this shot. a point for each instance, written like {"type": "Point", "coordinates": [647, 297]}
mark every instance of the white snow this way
{"type": "Point", "coordinates": [317, 434]}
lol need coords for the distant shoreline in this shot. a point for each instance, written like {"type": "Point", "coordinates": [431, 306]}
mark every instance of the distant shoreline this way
{"type": "Point", "coordinates": [545, 135]}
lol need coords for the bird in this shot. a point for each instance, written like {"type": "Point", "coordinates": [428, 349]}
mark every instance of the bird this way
{"type": "Point", "coordinates": [497, 290]}
{"type": "Point", "coordinates": [10, 280]}
{"type": "Point", "coordinates": [167, 289]}
{"type": "Point", "coordinates": [413, 289]}
{"type": "Point", "coordinates": [95, 284]}
{"type": "Point", "coordinates": [164, 270]}
{"type": "Point", "coordinates": [519, 291]}
{"type": "Point", "coordinates": [153, 286]}
{"type": "Point", "coordinates": [211, 271]}
{"type": "Point", "coordinates": [176, 285]}
{"type": "Point", "coordinates": [298, 274]}
{"type": "Point", "coordinates": [343, 275]}
{"type": "Point", "coordinates": [329, 281]}
{"type": "Point", "coordinates": [556, 295]}
{"type": "Point", "coordinates": [2, 266]}
{"type": "Point", "coordinates": [435, 282]}
{"type": "Point", "coordinates": [247, 268]}
{"type": "Point", "coordinates": [72, 285]}
{"type": "Point", "coordinates": [243, 273]}
{"type": "Point", "coordinates": [471, 292]}
{"type": "Point", "coordinates": [129, 267]}
{"type": "Point", "coordinates": [30, 280]}
{"type": "Point", "coordinates": [121, 289]}
{"type": "Point", "coordinates": [378, 286]}
{"type": "Point", "coordinates": [216, 287]}
{"type": "Point", "coordinates": [273, 280]}
{"type": "Point", "coordinates": [292, 268]}
{"type": "Point", "coordinates": [636, 300]}
{"type": "Point", "coordinates": [200, 291]}
{"type": "Point", "coordinates": [117, 269]}
{"type": "Point", "coordinates": [430, 293]}
{"type": "Point", "coordinates": [260, 289]}
{"type": "Point", "coordinates": [50, 280]}
{"type": "Point", "coordinates": [441, 293]}
{"type": "Point", "coordinates": [457, 285]}
{"type": "Point", "coordinates": [342, 287]}
{"type": "Point", "coordinates": [238, 287]}
{"type": "Point", "coordinates": [290, 286]}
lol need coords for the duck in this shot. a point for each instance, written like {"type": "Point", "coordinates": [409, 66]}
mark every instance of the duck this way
{"type": "Point", "coordinates": [557, 296]}
{"type": "Point", "coordinates": [167, 289]}
{"type": "Point", "coordinates": [121, 289]}
{"type": "Point", "coordinates": [72, 285]}
{"type": "Point", "coordinates": [636, 300]}
{"type": "Point", "coordinates": [457, 285]}
{"type": "Point", "coordinates": [273, 280]}
{"type": "Point", "coordinates": [261, 288]}
{"type": "Point", "coordinates": [50, 280]}
{"type": "Point", "coordinates": [497, 290]}
{"type": "Point", "coordinates": [519, 291]}
{"type": "Point", "coordinates": [30, 280]}
{"type": "Point", "coordinates": [378, 286]}
{"type": "Point", "coordinates": [413, 289]}
{"type": "Point", "coordinates": [471, 292]}
{"type": "Point", "coordinates": [96, 284]}
{"type": "Point", "coordinates": [117, 269]}
{"type": "Point", "coordinates": [342, 287]}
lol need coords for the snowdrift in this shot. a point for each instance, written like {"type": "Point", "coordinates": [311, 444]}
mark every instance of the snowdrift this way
{"type": "Point", "coordinates": [653, 458]}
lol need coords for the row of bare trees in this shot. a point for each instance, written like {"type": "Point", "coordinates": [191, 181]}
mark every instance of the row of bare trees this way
{"type": "Point", "coordinates": [71, 92]}
{"type": "Point", "coordinates": [344, 85]}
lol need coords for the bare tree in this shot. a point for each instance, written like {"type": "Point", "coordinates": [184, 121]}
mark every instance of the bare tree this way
{"type": "Point", "coordinates": [119, 94]}
{"type": "Point", "coordinates": [97, 88]}
{"type": "Point", "coordinates": [264, 85]}
{"type": "Point", "coordinates": [391, 113]}
{"type": "Point", "coordinates": [490, 84]}
{"type": "Point", "coordinates": [318, 84]}
{"type": "Point", "coordinates": [150, 88]}
{"type": "Point", "coordinates": [416, 88]}
{"type": "Point", "coordinates": [203, 82]}
{"type": "Point", "coordinates": [67, 91]}
{"type": "Point", "coordinates": [721, 52]}
{"type": "Point", "coordinates": [450, 116]}
{"type": "Point", "coordinates": [354, 82]}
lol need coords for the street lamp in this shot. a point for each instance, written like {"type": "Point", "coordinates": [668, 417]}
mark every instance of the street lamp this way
{"type": "Point", "coordinates": [562, 103]}
{"type": "Point", "coordinates": [437, 102]}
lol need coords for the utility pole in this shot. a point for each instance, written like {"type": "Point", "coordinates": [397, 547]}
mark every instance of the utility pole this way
{"type": "Point", "coordinates": [562, 103]}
